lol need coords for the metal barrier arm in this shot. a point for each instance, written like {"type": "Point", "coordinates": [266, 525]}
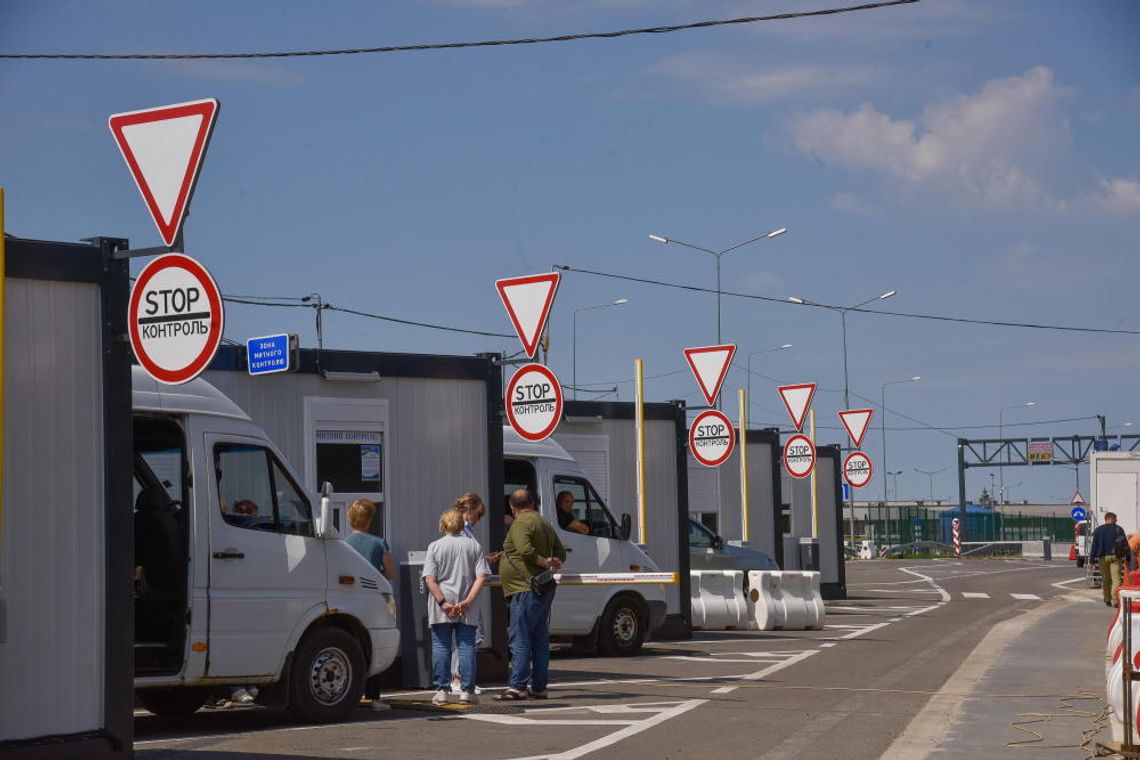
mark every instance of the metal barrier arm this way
{"type": "Point", "coordinates": [603, 579]}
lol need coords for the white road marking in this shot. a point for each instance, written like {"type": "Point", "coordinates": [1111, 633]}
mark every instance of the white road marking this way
{"type": "Point", "coordinates": [1027, 597]}
{"type": "Point", "coordinates": [869, 610]}
{"type": "Point", "coordinates": [210, 737]}
{"type": "Point", "coordinates": [672, 710]}
{"type": "Point", "coordinates": [975, 595]}
{"type": "Point", "coordinates": [904, 590]}
{"type": "Point", "coordinates": [895, 620]}
{"type": "Point", "coordinates": [1062, 584]}
{"type": "Point", "coordinates": [828, 644]}
{"type": "Point", "coordinates": [761, 674]}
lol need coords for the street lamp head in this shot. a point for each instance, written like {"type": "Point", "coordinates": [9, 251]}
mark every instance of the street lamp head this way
{"type": "Point", "coordinates": [620, 301]}
{"type": "Point", "coordinates": [887, 295]}
{"type": "Point", "coordinates": [916, 378]}
{"type": "Point", "coordinates": [659, 239]}
{"type": "Point", "coordinates": [1031, 403]}
{"type": "Point", "coordinates": [789, 345]}
{"type": "Point", "coordinates": [777, 233]}
{"type": "Point", "coordinates": [794, 299]}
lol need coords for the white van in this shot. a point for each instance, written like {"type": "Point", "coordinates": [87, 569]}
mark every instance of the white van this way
{"type": "Point", "coordinates": [614, 618]}
{"type": "Point", "coordinates": [236, 580]}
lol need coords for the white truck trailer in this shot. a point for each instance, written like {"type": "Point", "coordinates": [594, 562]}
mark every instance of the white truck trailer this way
{"type": "Point", "coordinates": [1114, 478]}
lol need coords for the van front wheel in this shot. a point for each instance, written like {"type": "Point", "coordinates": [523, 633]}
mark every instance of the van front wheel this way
{"type": "Point", "coordinates": [624, 626]}
{"type": "Point", "coordinates": [327, 677]}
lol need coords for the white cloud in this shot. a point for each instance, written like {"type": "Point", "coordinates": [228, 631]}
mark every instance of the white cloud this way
{"type": "Point", "coordinates": [997, 146]}
{"type": "Point", "coordinates": [723, 79]}
{"type": "Point", "coordinates": [852, 204]}
{"type": "Point", "coordinates": [1132, 100]}
{"type": "Point", "coordinates": [1118, 195]}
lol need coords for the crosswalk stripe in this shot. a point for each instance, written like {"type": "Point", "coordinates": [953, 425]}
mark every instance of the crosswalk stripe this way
{"type": "Point", "coordinates": [975, 595]}
{"type": "Point", "coordinates": [1028, 597]}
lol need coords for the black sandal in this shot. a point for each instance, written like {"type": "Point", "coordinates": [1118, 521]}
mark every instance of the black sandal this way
{"type": "Point", "coordinates": [512, 695]}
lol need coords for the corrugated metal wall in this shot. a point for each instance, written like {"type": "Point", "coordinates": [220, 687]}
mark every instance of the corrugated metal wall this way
{"type": "Point", "coordinates": [52, 536]}
{"type": "Point", "coordinates": [827, 507]}
{"type": "Point", "coordinates": [760, 496]}
{"type": "Point", "coordinates": [660, 484]}
{"type": "Point", "coordinates": [435, 441]}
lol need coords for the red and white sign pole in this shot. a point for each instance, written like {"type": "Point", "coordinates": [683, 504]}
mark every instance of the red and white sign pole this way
{"type": "Point", "coordinates": [956, 528]}
{"type": "Point", "coordinates": [175, 318]}
{"type": "Point", "coordinates": [534, 394]}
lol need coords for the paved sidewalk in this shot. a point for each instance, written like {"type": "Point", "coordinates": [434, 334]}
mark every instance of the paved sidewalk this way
{"type": "Point", "coordinates": [1029, 671]}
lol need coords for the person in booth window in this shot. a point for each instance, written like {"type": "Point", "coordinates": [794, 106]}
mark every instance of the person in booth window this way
{"type": "Point", "coordinates": [371, 547]}
{"type": "Point", "coordinates": [566, 518]}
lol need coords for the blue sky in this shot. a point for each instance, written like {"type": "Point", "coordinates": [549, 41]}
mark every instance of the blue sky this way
{"type": "Point", "coordinates": [980, 158]}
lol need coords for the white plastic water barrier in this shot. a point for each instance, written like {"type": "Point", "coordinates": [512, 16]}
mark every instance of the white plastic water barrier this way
{"type": "Point", "coordinates": [787, 600]}
{"type": "Point", "coordinates": [718, 600]}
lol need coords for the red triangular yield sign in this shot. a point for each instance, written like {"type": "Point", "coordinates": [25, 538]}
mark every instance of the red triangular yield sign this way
{"type": "Point", "coordinates": [163, 148]}
{"type": "Point", "coordinates": [856, 421]}
{"type": "Point", "coordinates": [1077, 500]}
{"type": "Point", "coordinates": [710, 365]}
{"type": "Point", "coordinates": [797, 399]}
{"type": "Point", "coordinates": [528, 300]}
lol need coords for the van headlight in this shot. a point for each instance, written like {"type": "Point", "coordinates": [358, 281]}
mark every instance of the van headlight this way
{"type": "Point", "coordinates": [390, 600]}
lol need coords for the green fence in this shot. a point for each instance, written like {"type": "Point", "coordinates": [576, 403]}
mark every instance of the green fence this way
{"type": "Point", "coordinates": [891, 525]}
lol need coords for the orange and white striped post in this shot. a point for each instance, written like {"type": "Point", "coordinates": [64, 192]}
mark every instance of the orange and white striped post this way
{"type": "Point", "coordinates": [956, 529]}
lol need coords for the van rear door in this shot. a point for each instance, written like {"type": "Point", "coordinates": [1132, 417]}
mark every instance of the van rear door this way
{"type": "Point", "coordinates": [267, 569]}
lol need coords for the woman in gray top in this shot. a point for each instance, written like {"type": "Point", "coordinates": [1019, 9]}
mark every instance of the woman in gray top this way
{"type": "Point", "coordinates": [454, 572]}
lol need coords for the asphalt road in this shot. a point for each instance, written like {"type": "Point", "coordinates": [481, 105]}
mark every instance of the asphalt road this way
{"type": "Point", "coordinates": [847, 691]}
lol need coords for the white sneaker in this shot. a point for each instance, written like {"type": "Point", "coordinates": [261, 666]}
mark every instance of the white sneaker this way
{"type": "Point", "coordinates": [456, 686]}
{"type": "Point", "coordinates": [468, 698]}
{"type": "Point", "coordinates": [478, 690]}
{"type": "Point", "coordinates": [441, 697]}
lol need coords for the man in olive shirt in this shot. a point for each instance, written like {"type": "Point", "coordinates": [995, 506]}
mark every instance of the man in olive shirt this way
{"type": "Point", "coordinates": [532, 546]}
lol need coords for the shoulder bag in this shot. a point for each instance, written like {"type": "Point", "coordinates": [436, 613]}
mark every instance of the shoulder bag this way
{"type": "Point", "coordinates": [540, 584]}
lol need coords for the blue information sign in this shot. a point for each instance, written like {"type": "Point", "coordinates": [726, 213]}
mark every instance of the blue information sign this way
{"type": "Point", "coordinates": [1078, 513]}
{"type": "Point", "coordinates": [268, 354]}
{"type": "Point", "coordinates": [846, 491]}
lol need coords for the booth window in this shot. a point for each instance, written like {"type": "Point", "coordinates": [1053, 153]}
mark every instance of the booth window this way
{"type": "Point", "coordinates": [255, 493]}
{"type": "Point", "coordinates": [353, 461]}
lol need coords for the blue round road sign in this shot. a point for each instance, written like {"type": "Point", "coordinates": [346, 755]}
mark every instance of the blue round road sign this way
{"type": "Point", "coordinates": [1078, 513]}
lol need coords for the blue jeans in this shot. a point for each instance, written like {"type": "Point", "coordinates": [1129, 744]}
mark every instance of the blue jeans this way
{"type": "Point", "coordinates": [441, 637]}
{"type": "Point", "coordinates": [529, 636]}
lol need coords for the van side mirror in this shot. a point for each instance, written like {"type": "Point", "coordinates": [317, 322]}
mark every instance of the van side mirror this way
{"type": "Point", "coordinates": [325, 528]}
{"type": "Point", "coordinates": [626, 526]}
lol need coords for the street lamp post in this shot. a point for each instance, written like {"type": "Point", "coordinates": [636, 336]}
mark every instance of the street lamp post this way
{"type": "Point", "coordinates": [883, 422]}
{"type": "Point", "coordinates": [718, 254]}
{"type": "Point", "coordinates": [754, 353]}
{"type": "Point", "coordinates": [930, 474]}
{"type": "Point", "coordinates": [846, 386]}
{"type": "Point", "coordinates": [1005, 451]}
{"type": "Point", "coordinates": [1120, 433]}
{"type": "Point", "coordinates": [574, 380]}
{"type": "Point", "coordinates": [895, 474]}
